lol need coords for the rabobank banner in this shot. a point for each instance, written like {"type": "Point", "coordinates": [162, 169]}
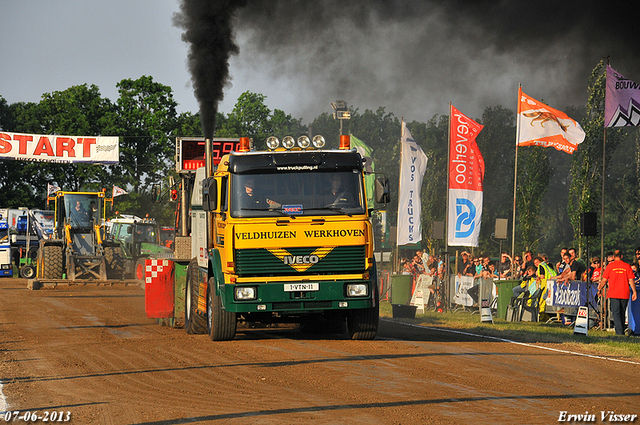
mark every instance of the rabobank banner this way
{"type": "Point", "coordinates": [466, 173]}
{"type": "Point", "coordinates": [413, 164]}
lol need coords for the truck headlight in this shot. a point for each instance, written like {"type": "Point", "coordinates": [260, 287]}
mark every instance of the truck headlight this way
{"type": "Point", "coordinates": [318, 141]}
{"type": "Point", "coordinates": [288, 142]}
{"type": "Point", "coordinates": [273, 142]}
{"type": "Point", "coordinates": [304, 142]}
{"type": "Point", "coordinates": [357, 290]}
{"type": "Point", "coordinates": [245, 293]}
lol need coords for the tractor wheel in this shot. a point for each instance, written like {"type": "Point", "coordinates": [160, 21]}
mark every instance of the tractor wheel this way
{"type": "Point", "coordinates": [139, 270]}
{"type": "Point", "coordinates": [221, 324]}
{"type": "Point", "coordinates": [194, 322]}
{"type": "Point", "coordinates": [52, 262]}
{"type": "Point", "coordinates": [114, 259]}
{"type": "Point", "coordinates": [363, 323]}
{"type": "Point", "coordinates": [27, 271]}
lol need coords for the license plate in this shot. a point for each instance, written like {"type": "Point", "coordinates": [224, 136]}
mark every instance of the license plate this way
{"type": "Point", "coordinates": [297, 287]}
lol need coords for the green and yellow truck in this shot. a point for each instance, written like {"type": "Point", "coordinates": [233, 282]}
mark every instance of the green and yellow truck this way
{"type": "Point", "coordinates": [280, 236]}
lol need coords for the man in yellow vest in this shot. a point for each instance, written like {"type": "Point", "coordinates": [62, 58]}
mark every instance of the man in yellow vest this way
{"type": "Point", "coordinates": [544, 272]}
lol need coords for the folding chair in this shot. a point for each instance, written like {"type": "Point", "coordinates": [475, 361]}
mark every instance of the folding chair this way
{"type": "Point", "coordinates": [531, 313]}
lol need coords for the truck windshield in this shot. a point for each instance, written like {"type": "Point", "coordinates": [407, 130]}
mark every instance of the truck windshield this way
{"type": "Point", "coordinates": [308, 193]}
{"type": "Point", "coordinates": [4, 235]}
{"type": "Point", "coordinates": [82, 210]}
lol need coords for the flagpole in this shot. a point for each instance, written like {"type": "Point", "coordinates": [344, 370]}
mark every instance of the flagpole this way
{"type": "Point", "coordinates": [515, 182]}
{"type": "Point", "coordinates": [604, 150]}
{"type": "Point", "coordinates": [396, 265]}
{"type": "Point", "coordinates": [446, 213]}
{"type": "Point", "coordinates": [446, 217]}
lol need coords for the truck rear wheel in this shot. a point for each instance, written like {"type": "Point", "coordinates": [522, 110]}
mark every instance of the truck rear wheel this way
{"type": "Point", "coordinates": [221, 324]}
{"type": "Point", "coordinates": [194, 323]}
{"type": "Point", "coordinates": [363, 323]}
{"type": "Point", "coordinates": [52, 262]}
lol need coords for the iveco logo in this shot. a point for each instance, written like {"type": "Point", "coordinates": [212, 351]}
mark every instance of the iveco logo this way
{"type": "Point", "coordinates": [300, 259]}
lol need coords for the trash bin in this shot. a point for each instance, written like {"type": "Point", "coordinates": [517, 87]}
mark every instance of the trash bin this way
{"type": "Point", "coordinates": [505, 292]}
{"type": "Point", "coordinates": [158, 288]}
{"type": "Point", "coordinates": [401, 289]}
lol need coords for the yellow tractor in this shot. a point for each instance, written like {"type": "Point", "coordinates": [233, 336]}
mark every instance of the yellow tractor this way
{"type": "Point", "coordinates": [78, 249]}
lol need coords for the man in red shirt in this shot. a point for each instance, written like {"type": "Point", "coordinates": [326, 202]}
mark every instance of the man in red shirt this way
{"type": "Point", "coordinates": [620, 277]}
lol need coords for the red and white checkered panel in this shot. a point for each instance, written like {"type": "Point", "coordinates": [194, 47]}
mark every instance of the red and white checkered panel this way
{"type": "Point", "coordinates": [159, 294]}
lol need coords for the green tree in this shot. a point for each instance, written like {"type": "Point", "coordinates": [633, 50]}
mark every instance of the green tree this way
{"type": "Point", "coordinates": [252, 118]}
{"type": "Point", "coordinates": [78, 110]}
{"type": "Point", "coordinates": [145, 120]}
{"type": "Point", "coordinates": [496, 142]}
{"type": "Point", "coordinates": [586, 169]}
{"type": "Point", "coordinates": [534, 173]}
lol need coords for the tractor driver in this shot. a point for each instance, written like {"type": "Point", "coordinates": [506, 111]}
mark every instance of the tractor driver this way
{"type": "Point", "coordinates": [79, 214]}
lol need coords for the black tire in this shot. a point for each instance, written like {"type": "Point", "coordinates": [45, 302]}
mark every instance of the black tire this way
{"type": "Point", "coordinates": [52, 262]}
{"type": "Point", "coordinates": [221, 324]}
{"type": "Point", "coordinates": [362, 324]}
{"type": "Point", "coordinates": [114, 259]}
{"type": "Point", "coordinates": [194, 322]}
{"type": "Point", "coordinates": [27, 271]}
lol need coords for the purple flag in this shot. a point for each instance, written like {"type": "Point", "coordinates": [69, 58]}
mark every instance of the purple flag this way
{"type": "Point", "coordinates": [622, 101]}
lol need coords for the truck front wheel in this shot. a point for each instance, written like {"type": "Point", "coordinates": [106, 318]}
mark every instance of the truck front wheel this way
{"type": "Point", "coordinates": [363, 323]}
{"type": "Point", "coordinates": [221, 323]}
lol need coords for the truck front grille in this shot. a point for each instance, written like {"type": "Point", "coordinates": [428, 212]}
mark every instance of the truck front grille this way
{"type": "Point", "coordinates": [300, 261]}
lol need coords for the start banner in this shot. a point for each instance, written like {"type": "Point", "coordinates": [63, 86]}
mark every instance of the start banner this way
{"type": "Point", "coordinates": [62, 149]}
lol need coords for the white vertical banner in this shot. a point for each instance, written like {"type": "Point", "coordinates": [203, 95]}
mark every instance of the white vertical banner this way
{"type": "Point", "coordinates": [413, 164]}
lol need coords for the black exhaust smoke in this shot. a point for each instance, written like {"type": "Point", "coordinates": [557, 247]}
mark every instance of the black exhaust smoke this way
{"type": "Point", "coordinates": [207, 29]}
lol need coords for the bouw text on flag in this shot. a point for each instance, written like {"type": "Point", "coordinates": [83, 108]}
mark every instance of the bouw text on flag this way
{"type": "Point", "coordinates": [622, 101]}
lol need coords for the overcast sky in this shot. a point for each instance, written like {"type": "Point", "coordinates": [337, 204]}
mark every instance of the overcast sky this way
{"type": "Point", "coordinates": [414, 57]}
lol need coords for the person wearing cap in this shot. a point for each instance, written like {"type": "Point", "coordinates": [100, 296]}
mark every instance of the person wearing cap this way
{"type": "Point", "coordinates": [464, 266]}
{"type": "Point", "coordinates": [620, 277]}
{"type": "Point", "coordinates": [504, 268]}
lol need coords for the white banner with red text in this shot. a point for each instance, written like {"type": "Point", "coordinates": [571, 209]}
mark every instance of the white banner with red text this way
{"type": "Point", "coordinates": [62, 149]}
{"type": "Point", "coordinates": [466, 174]}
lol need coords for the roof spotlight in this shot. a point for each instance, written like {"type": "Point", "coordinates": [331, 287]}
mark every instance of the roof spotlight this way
{"type": "Point", "coordinates": [288, 142]}
{"type": "Point", "coordinates": [304, 142]}
{"type": "Point", "coordinates": [318, 141]}
{"type": "Point", "coordinates": [272, 142]}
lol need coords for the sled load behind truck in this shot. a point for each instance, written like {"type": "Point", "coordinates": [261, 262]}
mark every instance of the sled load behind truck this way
{"type": "Point", "coordinates": [279, 236]}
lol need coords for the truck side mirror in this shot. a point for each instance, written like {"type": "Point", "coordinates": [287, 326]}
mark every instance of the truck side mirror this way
{"type": "Point", "coordinates": [382, 190]}
{"type": "Point", "coordinates": [209, 194]}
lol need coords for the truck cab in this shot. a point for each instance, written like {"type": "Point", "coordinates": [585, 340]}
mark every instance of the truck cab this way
{"type": "Point", "coordinates": [283, 236]}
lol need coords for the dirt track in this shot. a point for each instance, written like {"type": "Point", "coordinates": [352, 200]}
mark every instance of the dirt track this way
{"type": "Point", "coordinates": [92, 351]}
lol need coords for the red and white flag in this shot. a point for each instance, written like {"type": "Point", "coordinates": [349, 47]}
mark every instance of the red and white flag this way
{"type": "Point", "coordinates": [466, 174]}
{"type": "Point", "coordinates": [541, 125]}
{"type": "Point", "coordinates": [118, 191]}
{"type": "Point", "coordinates": [51, 189]}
